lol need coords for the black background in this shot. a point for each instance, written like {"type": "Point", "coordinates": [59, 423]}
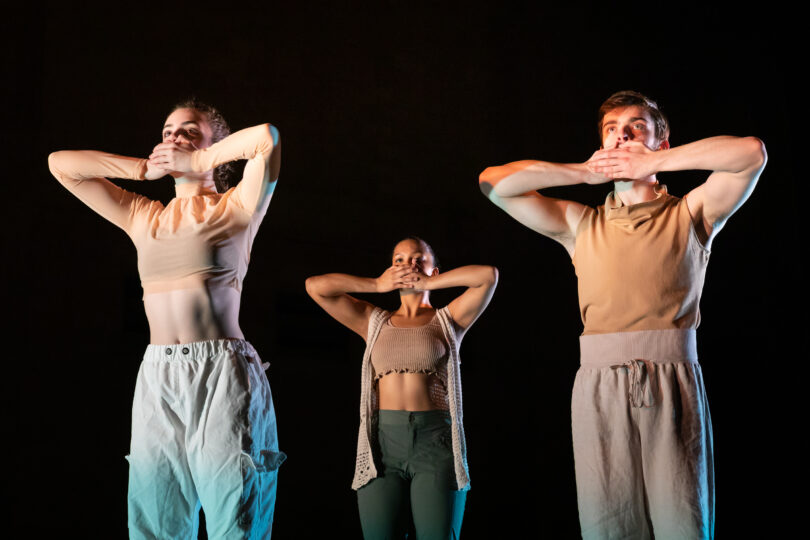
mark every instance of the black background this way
{"type": "Point", "coordinates": [388, 114]}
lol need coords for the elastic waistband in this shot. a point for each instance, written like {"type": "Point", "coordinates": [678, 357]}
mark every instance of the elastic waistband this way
{"type": "Point", "coordinates": [656, 346]}
{"type": "Point", "coordinates": [198, 350]}
{"type": "Point", "coordinates": [405, 418]}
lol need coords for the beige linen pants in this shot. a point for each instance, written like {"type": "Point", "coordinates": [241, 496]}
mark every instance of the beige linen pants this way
{"type": "Point", "coordinates": [642, 438]}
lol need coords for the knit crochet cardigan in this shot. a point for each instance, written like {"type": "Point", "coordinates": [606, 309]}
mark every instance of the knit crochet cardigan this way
{"type": "Point", "coordinates": [367, 458]}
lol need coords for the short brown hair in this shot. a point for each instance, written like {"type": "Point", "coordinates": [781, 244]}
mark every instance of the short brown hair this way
{"type": "Point", "coordinates": [224, 173]}
{"type": "Point", "coordinates": [629, 98]}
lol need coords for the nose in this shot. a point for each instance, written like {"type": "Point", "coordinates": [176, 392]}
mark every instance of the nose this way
{"type": "Point", "coordinates": [627, 133]}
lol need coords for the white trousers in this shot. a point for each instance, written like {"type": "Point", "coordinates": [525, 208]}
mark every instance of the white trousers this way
{"type": "Point", "coordinates": [642, 438]}
{"type": "Point", "coordinates": [203, 433]}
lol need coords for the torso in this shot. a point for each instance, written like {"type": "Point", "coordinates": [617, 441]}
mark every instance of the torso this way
{"type": "Point", "coordinates": [412, 391]}
{"type": "Point", "coordinates": [639, 267]}
{"type": "Point", "coordinates": [192, 257]}
{"type": "Point", "coordinates": [198, 314]}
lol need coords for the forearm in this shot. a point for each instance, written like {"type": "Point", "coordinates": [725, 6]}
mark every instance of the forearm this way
{"type": "Point", "coordinates": [472, 276]}
{"type": "Point", "coordinates": [72, 167]}
{"type": "Point", "coordinates": [330, 285]}
{"type": "Point", "coordinates": [243, 144]}
{"type": "Point", "coordinates": [515, 179]}
{"type": "Point", "coordinates": [720, 154]}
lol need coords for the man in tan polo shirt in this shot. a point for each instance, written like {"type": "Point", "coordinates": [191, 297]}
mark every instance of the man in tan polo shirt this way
{"type": "Point", "coordinates": [641, 425]}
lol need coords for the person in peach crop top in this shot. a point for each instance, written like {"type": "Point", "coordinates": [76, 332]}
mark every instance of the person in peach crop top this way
{"type": "Point", "coordinates": [641, 426]}
{"type": "Point", "coordinates": [411, 452]}
{"type": "Point", "coordinates": [203, 422]}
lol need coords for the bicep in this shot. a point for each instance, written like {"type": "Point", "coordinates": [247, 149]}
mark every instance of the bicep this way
{"type": "Point", "coordinates": [467, 307]}
{"type": "Point", "coordinates": [105, 198]}
{"type": "Point", "coordinates": [347, 310]}
{"type": "Point", "coordinates": [554, 218]}
{"type": "Point", "coordinates": [725, 191]}
{"type": "Point", "coordinates": [261, 173]}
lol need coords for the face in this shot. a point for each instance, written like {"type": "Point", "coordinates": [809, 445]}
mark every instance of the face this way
{"type": "Point", "coordinates": [187, 128]}
{"type": "Point", "coordinates": [410, 252]}
{"type": "Point", "coordinates": [630, 124]}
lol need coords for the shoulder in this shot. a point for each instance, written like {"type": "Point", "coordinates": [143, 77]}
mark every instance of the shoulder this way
{"type": "Point", "coordinates": [446, 319]}
{"type": "Point", "coordinates": [588, 217]}
{"type": "Point", "coordinates": [377, 317]}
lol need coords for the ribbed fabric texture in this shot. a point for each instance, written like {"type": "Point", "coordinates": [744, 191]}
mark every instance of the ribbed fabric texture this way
{"type": "Point", "coordinates": [421, 349]}
{"type": "Point", "coordinates": [657, 346]}
{"type": "Point", "coordinates": [367, 463]}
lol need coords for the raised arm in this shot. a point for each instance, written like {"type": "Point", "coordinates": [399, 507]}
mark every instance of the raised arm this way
{"type": "Point", "coordinates": [512, 187]}
{"type": "Point", "coordinates": [82, 172]}
{"type": "Point", "coordinates": [735, 162]}
{"type": "Point", "coordinates": [330, 291]}
{"type": "Point", "coordinates": [480, 281]}
{"type": "Point", "coordinates": [261, 146]}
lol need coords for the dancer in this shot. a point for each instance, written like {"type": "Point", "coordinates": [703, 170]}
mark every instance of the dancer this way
{"type": "Point", "coordinates": [411, 452]}
{"type": "Point", "coordinates": [203, 423]}
{"type": "Point", "coordinates": [641, 427]}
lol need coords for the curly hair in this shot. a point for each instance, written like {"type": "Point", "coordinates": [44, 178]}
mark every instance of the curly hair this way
{"type": "Point", "coordinates": [629, 98]}
{"type": "Point", "coordinates": [223, 174]}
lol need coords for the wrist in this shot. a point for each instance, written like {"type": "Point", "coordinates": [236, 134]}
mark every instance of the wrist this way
{"type": "Point", "coordinates": [141, 169]}
{"type": "Point", "coordinates": [195, 159]}
{"type": "Point", "coordinates": [656, 160]}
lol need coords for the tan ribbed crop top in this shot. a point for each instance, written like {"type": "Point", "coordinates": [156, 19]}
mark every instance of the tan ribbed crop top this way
{"type": "Point", "coordinates": [201, 240]}
{"type": "Point", "coordinates": [639, 267]}
{"type": "Point", "coordinates": [421, 349]}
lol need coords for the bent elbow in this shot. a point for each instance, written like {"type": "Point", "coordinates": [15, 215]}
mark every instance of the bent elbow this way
{"type": "Point", "coordinates": [311, 285]}
{"type": "Point", "coordinates": [53, 160]}
{"type": "Point", "coordinates": [275, 135]}
{"type": "Point", "coordinates": [56, 163]}
{"type": "Point", "coordinates": [758, 151]}
{"type": "Point", "coordinates": [491, 276]}
{"type": "Point", "coordinates": [487, 180]}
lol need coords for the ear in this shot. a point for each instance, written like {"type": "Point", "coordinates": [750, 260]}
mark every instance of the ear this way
{"type": "Point", "coordinates": [664, 145]}
{"type": "Point", "coordinates": [435, 272]}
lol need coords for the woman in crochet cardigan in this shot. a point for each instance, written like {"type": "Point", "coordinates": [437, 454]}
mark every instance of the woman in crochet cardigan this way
{"type": "Point", "coordinates": [411, 454]}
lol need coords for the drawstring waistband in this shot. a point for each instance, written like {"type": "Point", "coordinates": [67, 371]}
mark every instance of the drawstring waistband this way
{"type": "Point", "coordinates": [640, 392]}
{"type": "Point", "coordinates": [638, 352]}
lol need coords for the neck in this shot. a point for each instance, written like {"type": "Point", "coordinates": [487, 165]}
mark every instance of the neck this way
{"type": "Point", "coordinates": [636, 191]}
{"type": "Point", "coordinates": [187, 187]}
{"type": "Point", "coordinates": [413, 302]}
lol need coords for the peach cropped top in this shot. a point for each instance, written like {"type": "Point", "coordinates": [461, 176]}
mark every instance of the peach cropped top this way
{"type": "Point", "coordinates": [421, 349]}
{"type": "Point", "coordinates": [201, 240]}
{"type": "Point", "coordinates": [639, 267]}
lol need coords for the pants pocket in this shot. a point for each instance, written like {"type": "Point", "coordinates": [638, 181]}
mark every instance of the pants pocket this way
{"type": "Point", "coordinates": [259, 477]}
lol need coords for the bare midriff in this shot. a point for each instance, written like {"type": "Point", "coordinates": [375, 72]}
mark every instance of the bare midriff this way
{"type": "Point", "coordinates": [408, 392]}
{"type": "Point", "coordinates": [196, 314]}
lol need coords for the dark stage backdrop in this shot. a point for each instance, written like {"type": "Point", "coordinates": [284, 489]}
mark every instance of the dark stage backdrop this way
{"type": "Point", "coordinates": [388, 114]}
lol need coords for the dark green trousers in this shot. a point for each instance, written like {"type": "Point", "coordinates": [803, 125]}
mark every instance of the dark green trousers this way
{"type": "Point", "coordinates": [417, 480]}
